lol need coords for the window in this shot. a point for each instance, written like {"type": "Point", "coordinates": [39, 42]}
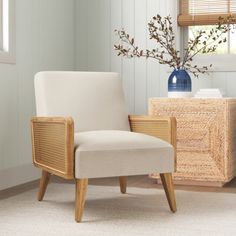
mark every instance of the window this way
{"type": "Point", "coordinates": [226, 48]}
{"type": "Point", "coordinates": [7, 31]}
{"type": "Point", "coordinates": [204, 14]}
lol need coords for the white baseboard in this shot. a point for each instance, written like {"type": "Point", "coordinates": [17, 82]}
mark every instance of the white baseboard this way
{"type": "Point", "coordinates": [18, 175]}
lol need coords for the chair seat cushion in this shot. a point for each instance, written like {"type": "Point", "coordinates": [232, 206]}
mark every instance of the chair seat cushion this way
{"type": "Point", "coordinates": [106, 153]}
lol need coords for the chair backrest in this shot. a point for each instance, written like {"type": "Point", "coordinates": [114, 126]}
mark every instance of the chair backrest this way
{"type": "Point", "coordinates": [95, 100]}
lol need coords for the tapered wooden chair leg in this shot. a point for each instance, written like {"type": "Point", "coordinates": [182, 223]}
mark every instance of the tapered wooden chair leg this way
{"type": "Point", "coordinates": [167, 182]}
{"type": "Point", "coordinates": [123, 183]}
{"type": "Point", "coordinates": [43, 184]}
{"type": "Point", "coordinates": [80, 194]}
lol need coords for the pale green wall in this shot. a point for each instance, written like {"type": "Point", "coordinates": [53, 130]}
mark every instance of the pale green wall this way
{"type": "Point", "coordinates": [96, 21]}
{"type": "Point", "coordinates": [45, 40]}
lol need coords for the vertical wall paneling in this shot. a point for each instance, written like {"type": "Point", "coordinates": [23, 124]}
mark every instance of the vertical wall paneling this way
{"type": "Point", "coordinates": [153, 67]}
{"type": "Point", "coordinates": [165, 70]}
{"type": "Point", "coordinates": [128, 64]}
{"type": "Point", "coordinates": [81, 35]}
{"type": "Point", "coordinates": [56, 48]}
{"type": "Point", "coordinates": [9, 117]}
{"type": "Point", "coordinates": [219, 81]}
{"type": "Point", "coordinates": [140, 63]}
{"type": "Point", "coordinates": [230, 81]}
{"type": "Point", "coordinates": [141, 78]}
{"type": "Point", "coordinates": [24, 64]}
{"type": "Point", "coordinates": [203, 81]}
{"type": "Point", "coordinates": [174, 8]}
{"type": "Point", "coordinates": [99, 35]}
{"type": "Point", "coordinates": [116, 23]}
{"type": "Point", "coordinates": [45, 40]}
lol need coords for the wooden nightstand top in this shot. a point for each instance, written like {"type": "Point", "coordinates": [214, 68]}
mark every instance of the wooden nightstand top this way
{"type": "Point", "coordinates": [192, 98]}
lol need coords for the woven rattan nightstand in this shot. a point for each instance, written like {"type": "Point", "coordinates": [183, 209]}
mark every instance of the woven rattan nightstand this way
{"type": "Point", "coordinates": [206, 138]}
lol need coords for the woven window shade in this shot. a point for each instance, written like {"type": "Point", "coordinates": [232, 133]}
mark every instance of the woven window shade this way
{"type": "Point", "coordinates": [205, 12]}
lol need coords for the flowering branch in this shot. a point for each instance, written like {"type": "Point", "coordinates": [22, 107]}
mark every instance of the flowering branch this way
{"type": "Point", "coordinates": [161, 30]}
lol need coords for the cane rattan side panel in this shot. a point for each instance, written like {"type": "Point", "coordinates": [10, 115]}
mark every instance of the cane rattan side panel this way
{"type": "Point", "coordinates": [206, 129]}
{"type": "Point", "coordinates": [160, 127]}
{"type": "Point", "coordinates": [53, 145]}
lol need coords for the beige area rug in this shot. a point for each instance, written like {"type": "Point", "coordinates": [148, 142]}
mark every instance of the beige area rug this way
{"type": "Point", "coordinates": [107, 212]}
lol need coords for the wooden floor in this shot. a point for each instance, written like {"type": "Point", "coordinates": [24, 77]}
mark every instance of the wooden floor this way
{"type": "Point", "coordinates": [133, 181]}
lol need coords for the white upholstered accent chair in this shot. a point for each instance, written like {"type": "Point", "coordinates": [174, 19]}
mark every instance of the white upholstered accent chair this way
{"type": "Point", "coordinates": [82, 131]}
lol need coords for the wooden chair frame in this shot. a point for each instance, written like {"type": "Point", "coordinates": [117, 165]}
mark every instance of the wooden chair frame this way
{"type": "Point", "coordinates": [53, 152]}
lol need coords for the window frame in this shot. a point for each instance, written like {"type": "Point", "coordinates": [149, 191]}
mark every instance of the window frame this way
{"type": "Point", "coordinates": [9, 56]}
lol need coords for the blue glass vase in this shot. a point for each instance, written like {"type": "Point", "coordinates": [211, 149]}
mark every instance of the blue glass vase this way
{"type": "Point", "coordinates": [179, 84]}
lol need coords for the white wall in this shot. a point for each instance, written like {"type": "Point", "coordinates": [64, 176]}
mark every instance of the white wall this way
{"type": "Point", "coordinates": [141, 78]}
{"type": "Point", "coordinates": [45, 40]}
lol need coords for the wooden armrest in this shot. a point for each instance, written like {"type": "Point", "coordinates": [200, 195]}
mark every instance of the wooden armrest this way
{"type": "Point", "coordinates": [53, 145]}
{"type": "Point", "coordinates": [160, 127]}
